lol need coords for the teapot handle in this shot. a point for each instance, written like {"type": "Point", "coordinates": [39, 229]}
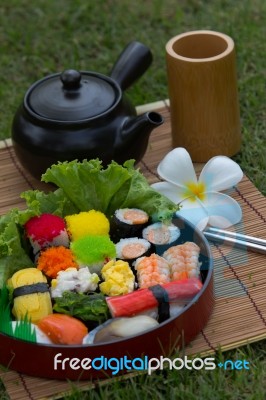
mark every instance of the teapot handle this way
{"type": "Point", "coordinates": [131, 64]}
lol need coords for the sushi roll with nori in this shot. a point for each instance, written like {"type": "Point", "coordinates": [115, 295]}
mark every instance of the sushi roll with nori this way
{"type": "Point", "coordinates": [161, 235]}
{"type": "Point", "coordinates": [45, 231]}
{"type": "Point", "coordinates": [127, 223]}
{"type": "Point", "coordinates": [132, 248]}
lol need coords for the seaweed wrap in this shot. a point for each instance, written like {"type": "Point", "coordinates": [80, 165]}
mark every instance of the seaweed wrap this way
{"type": "Point", "coordinates": [161, 236]}
{"type": "Point", "coordinates": [31, 295]}
{"type": "Point", "coordinates": [132, 248]}
{"type": "Point", "coordinates": [128, 223]}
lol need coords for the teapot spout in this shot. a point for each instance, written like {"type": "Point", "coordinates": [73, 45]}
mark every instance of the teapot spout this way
{"type": "Point", "coordinates": [134, 136]}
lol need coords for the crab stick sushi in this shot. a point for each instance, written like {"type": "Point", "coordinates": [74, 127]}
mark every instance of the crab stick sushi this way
{"type": "Point", "coordinates": [161, 235]}
{"type": "Point", "coordinates": [183, 260]}
{"type": "Point", "coordinates": [159, 297]}
{"type": "Point", "coordinates": [127, 223]}
{"type": "Point", "coordinates": [152, 270]}
{"type": "Point", "coordinates": [46, 230]}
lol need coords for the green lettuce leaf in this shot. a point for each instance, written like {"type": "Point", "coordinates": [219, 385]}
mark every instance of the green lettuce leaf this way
{"type": "Point", "coordinates": [81, 186]}
{"type": "Point", "coordinates": [89, 186]}
{"type": "Point", "coordinates": [13, 254]}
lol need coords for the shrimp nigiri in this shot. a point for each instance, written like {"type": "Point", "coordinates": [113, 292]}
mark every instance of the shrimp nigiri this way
{"type": "Point", "coordinates": [183, 260]}
{"type": "Point", "coordinates": [152, 270]}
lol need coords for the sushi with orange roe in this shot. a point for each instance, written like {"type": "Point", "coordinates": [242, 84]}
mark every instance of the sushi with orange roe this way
{"type": "Point", "coordinates": [183, 260]}
{"type": "Point", "coordinates": [55, 259]}
{"type": "Point", "coordinates": [45, 231]}
{"type": "Point", "coordinates": [152, 270]}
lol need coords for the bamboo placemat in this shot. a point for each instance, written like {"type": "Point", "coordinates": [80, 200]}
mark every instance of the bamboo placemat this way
{"type": "Point", "coordinates": [239, 315]}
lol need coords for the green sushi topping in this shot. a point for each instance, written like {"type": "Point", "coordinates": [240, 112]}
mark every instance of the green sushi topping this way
{"type": "Point", "coordinates": [88, 307]}
{"type": "Point", "coordinates": [89, 250]}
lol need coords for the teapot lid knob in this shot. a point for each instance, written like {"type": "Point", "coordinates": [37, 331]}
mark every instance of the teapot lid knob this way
{"type": "Point", "coordinates": [71, 79]}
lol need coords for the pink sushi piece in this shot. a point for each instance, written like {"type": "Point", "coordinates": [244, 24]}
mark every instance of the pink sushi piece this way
{"type": "Point", "coordinates": [46, 230]}
{"type": "Point", "coordinates": [143, 299]}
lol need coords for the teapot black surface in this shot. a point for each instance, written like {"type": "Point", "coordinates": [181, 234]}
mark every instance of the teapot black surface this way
{"type": "Point", "coordinates": [84, 115]}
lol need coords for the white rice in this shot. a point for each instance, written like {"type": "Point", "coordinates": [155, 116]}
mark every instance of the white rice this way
{"type": "Point", "coordinates": [124, 242]}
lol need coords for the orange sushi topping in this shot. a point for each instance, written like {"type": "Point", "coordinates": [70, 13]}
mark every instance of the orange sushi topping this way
{"type": "Point", "coordinates": [63, 329]}
{"type": "Point", "coordinates": [55, 259]}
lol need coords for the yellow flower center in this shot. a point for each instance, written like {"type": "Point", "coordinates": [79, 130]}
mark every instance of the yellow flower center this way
{"type": "Point", "coordinates": [194, 190]}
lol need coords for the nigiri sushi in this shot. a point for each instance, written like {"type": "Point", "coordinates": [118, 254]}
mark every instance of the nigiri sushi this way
{"type": "Point", "coordinates": [152, 270]}
{"type": "Point", "coordinates": [77, 280]}
{"type": "Point", "coordinates": [46, 230]}
{"type": "Point", "coordinates": [158, 297]}
{"type": "Point", "coordinates": [31, 294]}
{"type": "Point", "coordinates": [63, 329]}
{"type": "Point", "coordinates": [118, 278]}
{"type": "Point", "coordinates": [183, 260]}
{"type": "Point", "coordinates": [118, 328]}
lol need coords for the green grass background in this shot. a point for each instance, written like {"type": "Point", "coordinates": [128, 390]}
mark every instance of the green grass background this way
{"type": "Point", "coordinates": [45, 36]}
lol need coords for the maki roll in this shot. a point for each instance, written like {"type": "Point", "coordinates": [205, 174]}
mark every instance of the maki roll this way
{"type": "Point", "coordinates": [132, 248]}
{"type": "Point", "coordinates": [127, 223]}
{"type": "Point", "coordinates": [45, 231]}
{"type": "Point", "coordinates": [161, 235]}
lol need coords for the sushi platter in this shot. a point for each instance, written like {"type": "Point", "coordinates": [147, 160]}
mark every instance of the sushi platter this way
{"type": "Point", "coordinates": [99, 268]}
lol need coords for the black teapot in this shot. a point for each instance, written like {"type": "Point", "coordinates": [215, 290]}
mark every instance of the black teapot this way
{"type": "Point", "coordinates": [84, 115]}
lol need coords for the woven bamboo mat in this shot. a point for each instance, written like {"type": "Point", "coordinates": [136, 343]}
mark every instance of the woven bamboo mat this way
{"type": "Point", "coordinates": [239, 315]}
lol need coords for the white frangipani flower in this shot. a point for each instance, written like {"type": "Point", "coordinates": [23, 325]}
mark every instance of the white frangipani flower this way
{"type": "Point", "coordinates": [200, 200]}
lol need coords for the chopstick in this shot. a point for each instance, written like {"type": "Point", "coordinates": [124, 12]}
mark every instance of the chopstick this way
{"type": "Point", "coordinates": [236, 240]}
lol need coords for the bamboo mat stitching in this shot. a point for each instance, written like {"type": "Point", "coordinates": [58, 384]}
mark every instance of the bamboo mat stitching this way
{"type": "Point", "coordinates": [250, 204]}
{"type": "Point", "coordinates": [218, 247]}
{"type": "Point", "coordinates": [208, 342]}
{"type": "Point", "coordinates": [18, 168]}
{"type": "Point", "coordinates": [242, 284]}
{"type": "Point", "coordinates": [25, 386]}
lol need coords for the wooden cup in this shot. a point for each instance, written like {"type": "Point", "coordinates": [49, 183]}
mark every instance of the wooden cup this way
{"type": "Point", "coordinates": [202, 84]}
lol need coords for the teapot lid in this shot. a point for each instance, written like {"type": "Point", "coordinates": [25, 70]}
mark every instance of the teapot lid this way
{"type": "Point", "coordinates": [72, 96]}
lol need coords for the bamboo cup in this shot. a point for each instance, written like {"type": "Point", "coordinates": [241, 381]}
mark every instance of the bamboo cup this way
{"type": "Point", "coordinates": [202, 84]}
